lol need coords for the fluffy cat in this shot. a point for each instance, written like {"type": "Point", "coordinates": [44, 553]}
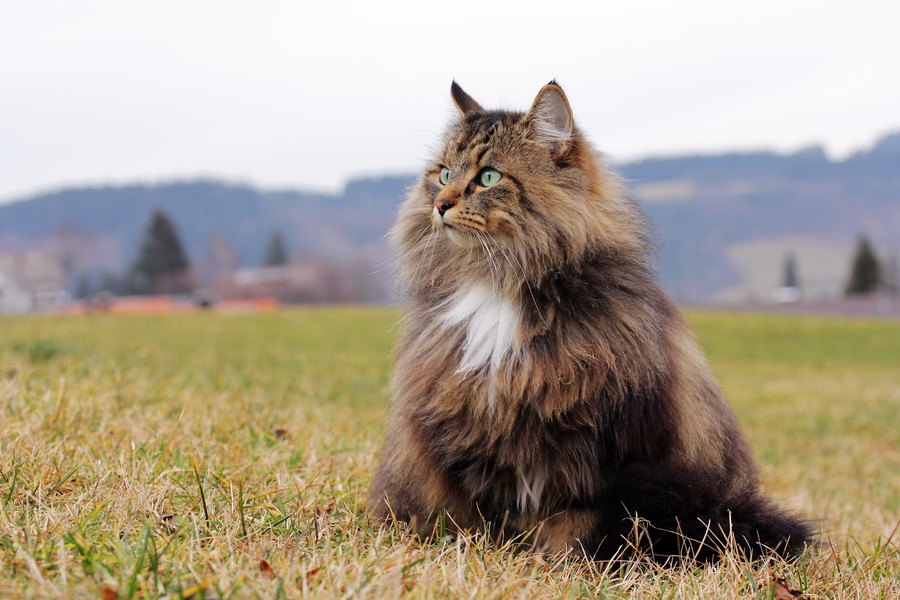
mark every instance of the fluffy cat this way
{"type": "Point", "coordinates": [543, 380]}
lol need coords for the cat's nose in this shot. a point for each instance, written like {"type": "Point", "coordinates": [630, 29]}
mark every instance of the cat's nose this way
{"type": "Point", "coordinates": [443, 205]}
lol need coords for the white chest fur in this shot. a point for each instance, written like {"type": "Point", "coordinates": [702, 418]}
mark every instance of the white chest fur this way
{"type": "Point", "coordinates": [492, 324]}
{"type": "Point", "coordinates": [531, 487]}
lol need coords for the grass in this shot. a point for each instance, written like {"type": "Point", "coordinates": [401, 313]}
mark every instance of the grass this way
{"type": "Point", "coordinates": [228, 456]}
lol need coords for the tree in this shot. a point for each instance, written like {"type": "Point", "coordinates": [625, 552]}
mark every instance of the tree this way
{"type": "Point", "coordinates": [865, 273]}
{"type": "Point", "coordinates": [161, 265]}
{"type": "Point", "coordinates": [790, 278]}
{"type": "Point", "coordinates": [890, 275]}
{"type": "Point", "coordinates": [276, 253]}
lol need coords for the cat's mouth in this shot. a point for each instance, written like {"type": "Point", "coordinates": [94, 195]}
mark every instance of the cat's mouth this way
{"type": "Point", "coordinates": [459, 236]}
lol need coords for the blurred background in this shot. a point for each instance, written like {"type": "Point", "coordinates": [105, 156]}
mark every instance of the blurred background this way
{"type": "Point", "coordinates": [159, 156]}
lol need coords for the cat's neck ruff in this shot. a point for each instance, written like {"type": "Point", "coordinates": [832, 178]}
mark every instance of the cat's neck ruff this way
{"type": "Point", "coordinates": [491, 322]}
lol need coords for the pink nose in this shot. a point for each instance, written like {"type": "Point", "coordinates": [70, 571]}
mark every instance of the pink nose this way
{"type": "Point", "coordinates": [444, 205]}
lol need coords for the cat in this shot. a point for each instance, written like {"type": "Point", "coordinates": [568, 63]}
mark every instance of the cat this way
{"type": "Point", "coordinates": [544, 382]}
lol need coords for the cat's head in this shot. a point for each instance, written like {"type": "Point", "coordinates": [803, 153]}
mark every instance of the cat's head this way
{"type": "Point", "coordinates": [509, 196]}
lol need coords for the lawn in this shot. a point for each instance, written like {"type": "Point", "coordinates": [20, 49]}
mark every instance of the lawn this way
{"type": "Point", "coordinates": [212, 455]}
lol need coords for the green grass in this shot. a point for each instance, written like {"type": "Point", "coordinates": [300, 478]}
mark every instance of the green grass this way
{"type": "Point", "coordinates": [228, 456]}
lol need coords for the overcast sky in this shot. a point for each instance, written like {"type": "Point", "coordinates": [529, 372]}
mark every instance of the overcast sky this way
{"type": "Point", "coordinates": [310, 93]}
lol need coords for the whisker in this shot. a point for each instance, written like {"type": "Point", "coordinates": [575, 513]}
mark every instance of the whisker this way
{"type": "Point", "coordinates": [432, 244]}
{"type": "Point", "coordinates": [428, 242]}
{"type": "Point", "coordinates": [489, 256]}
{"type": "Point", "coordinates": [524, 277]}
{"type": "Point", "coordinates": [393, 255]}
{"type": "Point", "coordinates": [495, 263]}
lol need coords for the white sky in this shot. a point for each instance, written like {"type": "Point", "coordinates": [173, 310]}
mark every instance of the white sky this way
{"type": "Point", "coordinates": [304, 94]}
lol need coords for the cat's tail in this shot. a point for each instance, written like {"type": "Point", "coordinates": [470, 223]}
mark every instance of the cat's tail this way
{"type": "Point", "coordinates": [654, 512]}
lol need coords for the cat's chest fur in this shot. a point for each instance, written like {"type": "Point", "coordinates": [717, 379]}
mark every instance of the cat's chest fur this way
{"type": "Point", "coordinates": [491, 324]}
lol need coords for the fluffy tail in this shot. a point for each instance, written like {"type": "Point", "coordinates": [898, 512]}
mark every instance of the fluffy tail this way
{"type": "Point", "coordinates": [651, 511]}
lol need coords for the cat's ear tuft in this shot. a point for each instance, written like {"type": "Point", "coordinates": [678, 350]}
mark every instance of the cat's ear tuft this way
{"type": "Point", "coordinates": [552, 119]}
{"type": "Point", "coordinates": [464, 102]}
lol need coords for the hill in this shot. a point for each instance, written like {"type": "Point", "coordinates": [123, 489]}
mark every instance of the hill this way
{"type": "Point", "coordinates": [723, 222]}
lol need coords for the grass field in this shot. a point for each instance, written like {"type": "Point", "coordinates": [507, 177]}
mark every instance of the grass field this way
{"type": "Point", "coordinates": [228, 456]}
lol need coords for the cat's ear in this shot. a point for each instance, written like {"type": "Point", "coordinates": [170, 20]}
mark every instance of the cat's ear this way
{"type": "Point", "coordinates": [464, 102]}
{"type": "Point", "coordinates": [551, 118]}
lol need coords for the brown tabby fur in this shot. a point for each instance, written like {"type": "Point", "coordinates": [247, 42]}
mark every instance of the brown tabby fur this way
{"type": "Point", "coordinates": [605, 397]}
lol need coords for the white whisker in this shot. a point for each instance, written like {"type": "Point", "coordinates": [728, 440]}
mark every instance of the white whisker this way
{"type": "Point", "coordinates": [429, 242]}
{"type": "Point", "coordinates": [503, 247]}
{"type": "Point", "coordinates": [489, 257]}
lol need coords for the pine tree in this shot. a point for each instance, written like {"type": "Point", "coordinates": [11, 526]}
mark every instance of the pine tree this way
{"type": "Point", "coordinates": [161, 265]}
{"type": "Point", "coordinates": [890, 275]}
{"type": "Point", "coordinates": [276, 253]}
{"type": "Point", "coordinates": [865, 274]}
{"type": "Point", "coordinates": [791, 279]}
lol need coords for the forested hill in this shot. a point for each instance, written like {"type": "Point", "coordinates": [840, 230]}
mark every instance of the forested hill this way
{"type": "Point", "coordinates": [723, 221]}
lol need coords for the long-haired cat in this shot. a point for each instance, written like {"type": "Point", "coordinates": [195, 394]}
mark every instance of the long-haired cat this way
{"type": "Point", "coordinates": [544, 383]}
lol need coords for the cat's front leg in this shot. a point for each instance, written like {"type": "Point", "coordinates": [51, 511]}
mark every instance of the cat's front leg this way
{"type": "Point", "coordinates": [568, 530]}
{"type": "Point", "coordinates": [411, 486]}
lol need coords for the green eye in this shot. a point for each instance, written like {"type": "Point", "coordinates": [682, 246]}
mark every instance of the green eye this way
{"type": "Point", "coordinates": [489, 177]}
{"type": "Point", "coordinates": [445, 176]}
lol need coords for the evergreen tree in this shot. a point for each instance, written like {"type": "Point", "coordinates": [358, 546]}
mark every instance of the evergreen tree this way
{"type": "Point", "coordinates": [276, 253]}
{"type": "Point", "coordinates": [890, 275]}
{"type": "Point", "coordinates": [161, 265]}
{"type": "Point", "coordinates": [865, 273]}
{"type": "Point", "coordinates": [790, 279]}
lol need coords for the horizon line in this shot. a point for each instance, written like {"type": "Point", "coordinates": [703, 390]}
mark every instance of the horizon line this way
{"type": "Point", "coordinates": [337, 189]}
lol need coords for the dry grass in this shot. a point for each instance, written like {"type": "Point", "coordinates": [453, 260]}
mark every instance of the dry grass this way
{"type": "Point", "coordinates": [220, 456]}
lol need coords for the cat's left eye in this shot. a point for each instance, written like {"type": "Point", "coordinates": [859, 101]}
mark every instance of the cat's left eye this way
{"type": "Point", "coordinates": [445, 176]}
{"type": "Point", "coordinates": [489, 177]}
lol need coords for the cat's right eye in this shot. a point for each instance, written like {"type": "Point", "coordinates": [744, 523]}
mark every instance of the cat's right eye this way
{"type": "Point", "coordinates": [445, 176]}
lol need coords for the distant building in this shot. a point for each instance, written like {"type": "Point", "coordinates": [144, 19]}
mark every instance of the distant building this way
{"type": "Point", "coordinates": [13, 299]}
{"type": "Point", "coordinates": [786, 294]}
{"type": "Point", "coordinates": [292, 283]}
{"type": "Point", "coordinates": [31, 282]}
